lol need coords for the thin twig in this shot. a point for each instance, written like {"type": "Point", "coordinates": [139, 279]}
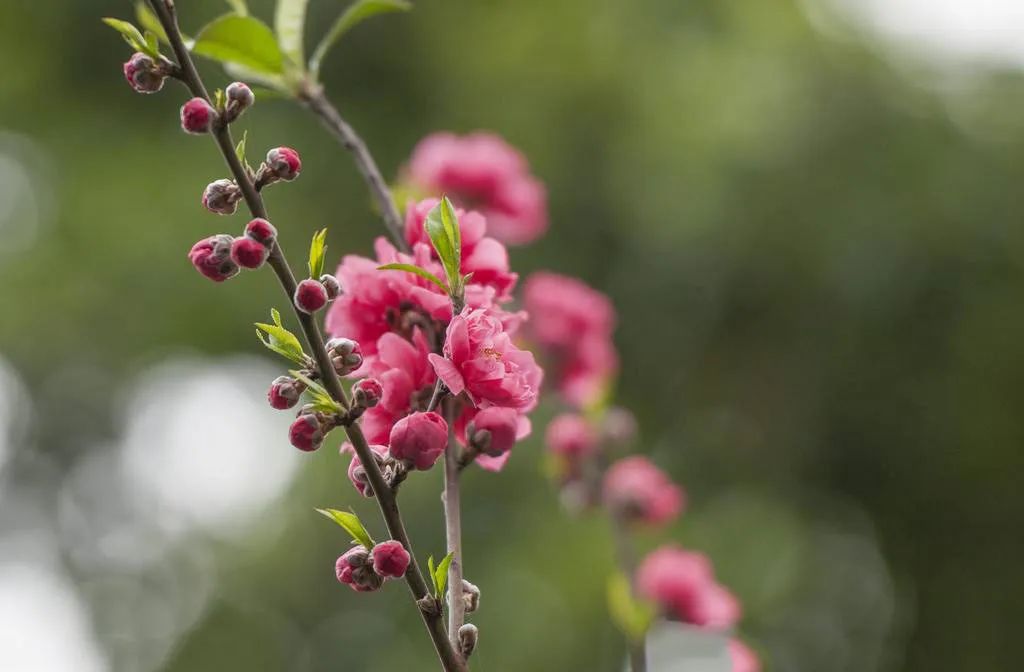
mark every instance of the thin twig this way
{"type": "Point", "coordinates": [453, 528]}
{"type": "Point", "coordinates": [450, 659]}
{"type": "Point", "coordinates": [625, 556]}
{"type": "Point", "coordinates": [312, 96]}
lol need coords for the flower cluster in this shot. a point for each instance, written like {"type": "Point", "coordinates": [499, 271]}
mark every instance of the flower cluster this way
{"type": "Point", "coordinates": [365, 570]}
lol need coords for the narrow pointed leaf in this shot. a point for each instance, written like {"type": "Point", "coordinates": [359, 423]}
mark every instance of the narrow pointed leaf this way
{"type": "Point", "coordinates": [422, 272]}
{"type": "Point", "coordinates": [441, 575]}
{"type": "Point", "coordinates": [632, 616]}
{"type": "Point", "coordinates": [289, 22]}
{"type": "Point", "coordinates": [442, 227]}
{"type": "Point", "coordinates": [277, 338]}
{"type": "Point", "coordinates": [132, 36]}
{"type": "Point", "coordinates": [317, 252]}
{"type": "Point", "coordinates": [356, 13]}
{"type": "Point", "coordinates": [350, 523]}
{"type": "Point", "coordinates": [147, 19]}
{"type": "Point", "coordinates": [239, 6]}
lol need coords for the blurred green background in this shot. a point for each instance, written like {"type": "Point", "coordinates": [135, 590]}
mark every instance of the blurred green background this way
{"type": "Point", "coordinates": [812, 235]}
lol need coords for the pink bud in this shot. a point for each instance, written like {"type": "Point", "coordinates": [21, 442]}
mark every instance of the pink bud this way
{"type": "Point", "coordinates": [197, 116]}
{"type": "Point", "coordinates": [284, 392]}
{"type": "Point", "coordinates": [221, 197]}
{"type": "Point", "coordinates": [212, 257]}
{"type": "Point", "coordinates": [419, 439]}
{"type": "Point", "coordinates": [493, 430]}
{"type": "Point", "coordinates": [346, 355]}
{"type": "Point", "coordinates": [356, 471]}
{"type": "Point", "coordinates": [284, 163]}
{"type": "Point", "coordinates": [310, 296]}
{"type": "Point", "coordinates": [367, 392]}
{"type": "Point", "coordinates": [353, 569]}
{"type": "Point", "coordinates": [640, 492]}
{"type": "Point", "coordinates": [144, 74]}
{"type": "Point", "coordinates": [569, 435]}
{"type": "Point", "coordinates": [306, 433]}
{"type": "Point", "coordinates": [261, 231]}
{"type": "Point", "coordinates": [332, 286]}
{"type": "Point", "coordinates": [239, 99]}
{"type": "Point", "coordinates": [390, 559]}
{"type": "Point", "coordinates": [248, 253]}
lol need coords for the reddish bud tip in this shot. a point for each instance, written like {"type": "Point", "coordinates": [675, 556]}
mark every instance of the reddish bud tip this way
{"type": "Point", "coordinates": [367, 392]}
{"type": "Point", "coordinates": [248, 253]}
{"type": "Point", "coordinates": [419, 439]}
{"type": "Point", "coordinates": [144, 74]}
{"type": "Point", "coordinates": [306, 434]}
{"type": "Point", "coordinates": [284, 163]}
{"type": "Point", "coordinates": [261, 231]}
{"type": "Point", "coordinates": [284, 392]}
{"type": "Point", "coordinates": [212, 257]}
{"type": "Point", "coordinates": [239, 99]}
{"type": "Point", "coordinates": [390, 559]}
{"type": "Point", "coordinates": [310, 296]}
{"type": "Point", "coordinates": [197, 116]}
{"type": "Point", "coordinates": [221, 197]}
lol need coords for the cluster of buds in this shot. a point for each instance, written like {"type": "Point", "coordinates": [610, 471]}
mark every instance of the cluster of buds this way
{"type": "Point", "coordinates": [346, 355]}
{"type": "Point", "coordinates": [220, 257]}
{"type": "Point", "coordinates": [282, 164]}
{"type": "Point", "coordinates": [145, 74]}
{"type": "Point", "coordinates": [312, 295]}
{"type": "Point", "coordinates": [366, 570]}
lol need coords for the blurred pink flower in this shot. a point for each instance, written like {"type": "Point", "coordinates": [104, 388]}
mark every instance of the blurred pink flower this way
{"type": "Point", "coordinates": [639, 491]}
{"type": "Point", "coordinates": [481, 171]}
{"type": "Point", "coordinates": [743, 659]}
{"type": "Point", "coordinates": [683, 583]}
{"type": "Point", "coordinates": [570, 435]}
{"type": "Point", "coordinates": [480, 359]}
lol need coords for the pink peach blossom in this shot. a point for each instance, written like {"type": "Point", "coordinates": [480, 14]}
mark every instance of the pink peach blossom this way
{"type": "Point", "coordinates": [419, 439]}
{"type": "Point", "coordinates": [406, 380]}
{"type": "Point", "coordinates": [480, 359]}
{"type": "Point", "coordinates": [743, 659]}
{"type": "Point", "coordinates": [683, 583]}
{"type": "Point", "coordinates": [569, 435]}
{"type": "Point", "coordinates": [637, 490]}
{"type": "Point", "coordinates": [481, 171]}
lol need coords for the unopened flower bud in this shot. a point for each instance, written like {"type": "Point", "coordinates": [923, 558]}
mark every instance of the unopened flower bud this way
{"type": "Point", "coordinates": [357, 472]}
{"type": "Point", "coordinates": [212, 257]}
{"type": "Point", "coordinates": [239, 99]}
{"type": "Point", "coordinates": [367, 392]}
{"type": "Point", "coordinates": [419, 439]}
{"type": "Point", "coordinates": [144, 74]}
{"type": "Point", "coordinates": [332, 286]}
{"type": "Point", "coordinates": [390, 559]}
{"type": "Point", "coordinates": [284, 163]}
{"type": "Point", "coordinates": [470, 596]}
{"type": "Point", "coordinates": [493, 430]}
{"type": "Point", "coordinates": [285, 392]}
{"type": "Point", "coordinates": [619, 425]}
{"type": "Point", "coordinates": [306, 433]}
{"type": "Point", "coordinates": [346, 355]}
{"type": "Point", "coordinates": [221, 197]}
{"type": "Point", "coordinates": [261, 231]}
{"type": "Point", "coordinates": [249, 253]}
{"type": "Point", "coordinates": [468, 636]}
{"type": "Point", "coordinates": [197, 116]}
{"type": "Point", "coordinates": [353, 569]}
{"type": "Point", "coordinates": [310, 296]}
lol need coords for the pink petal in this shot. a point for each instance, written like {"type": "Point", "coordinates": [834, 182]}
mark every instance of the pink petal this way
{"type": "Point", "coordinates": [448, 373]}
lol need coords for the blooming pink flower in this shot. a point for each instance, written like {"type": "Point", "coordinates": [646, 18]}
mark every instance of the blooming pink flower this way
{"type": "Point", "coordinates": [390, 559]}
{"type": "Point", "coordinates": [481, 171]}
{"type": "Point", "coordinates": [743, 659]}
{"type": "Point", "coordinates": [406, 380]}
{"type": "Point", "coordinates": [481, 359]}
{"type": "Point", "coordinates": [638, 490]}
{"type": "Point", "coordinates": [419, 439]}
{"type": "Point", "coordinates": [683, 583]}
{"type": "Point", "coordinates": [569, 435]}
{"type": "Point", "coordinates": [485, 258]}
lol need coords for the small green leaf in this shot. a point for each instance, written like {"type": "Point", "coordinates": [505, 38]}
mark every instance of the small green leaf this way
{"type": "Point", "coordinates": [422, 272]}
{"type": "Point", "coordinates": [240, 147]}
{"type": "Point", "coordinates": [442, 227]}
{"type": "Point", "coordinates": [241, 40]}
{"type": "Point", "coordinates": [289, 22]}
{"type": "Point", "coordinates": [631, 615]}
{"type": "Point", "coordinates": [350, 523]}
{"type": "Point", "coordinates": [275, 337]}
{"type": "Point", "coordinates": [132, 36]}
{"type": "Point", "coordinates": [322, 399]}
{"type": "Point", "coordinates": [239, 6]}
{"type": "Point", "coordinates": [441, 575]}
{"type": "Point", "coordinates": [149, 21]}
{"type": "Point", "coordinates": [432, 573]}
{"type": "Point", "coordinates": [152, 42]}
{"type": "Point", "coordinates": [356, 13]}
{"type": "Point", "coordinates": [317, 251]}
{"type": "Point", "coordinates": [218, 100]}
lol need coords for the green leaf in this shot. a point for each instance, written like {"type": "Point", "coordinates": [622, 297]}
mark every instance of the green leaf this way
{"type": "Point", "coordinates": [239, 6]}
{"type": "Point", "coordinates": [356, 13]}
{"type": "Point", "coordinates": [240, 147]}
{"type": "Point", "coordinates": [250, 76]}
{"type": "Point", "coordinates": [132, 36]}
{"type": "Point", "coordinates": [241, 40]}
{"type": "Point", "coordinates": [350, 523]}
{"type": "Point", "coordinates": [422, 272]}
{"type": "Point", "coordinates": [322, 399]}
{"type": "Point", "coordinates": [433, 574]}
{"type": "Point", "coordinates": [152, 42]}
{"type": "Point", "coordinates": [441, 575]}
{"type": "Point", "coordinates": [275, 337]}
{"type": "Point", "coordinates": [632, 616]}
{"type": "Point", "coordinates": [317, 252]}
{"type": "Point", "coordinates": [289, 22]}
{"type": "Point", "coordinates": [442, 227]}
{"type": "Point", "coordinates": [148, 20]}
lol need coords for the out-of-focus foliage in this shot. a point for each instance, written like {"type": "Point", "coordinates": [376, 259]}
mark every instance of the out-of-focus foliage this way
{"type": "Point", "coordinates": [817, 258]}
